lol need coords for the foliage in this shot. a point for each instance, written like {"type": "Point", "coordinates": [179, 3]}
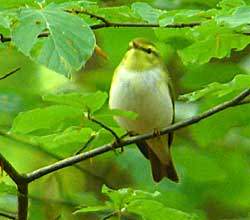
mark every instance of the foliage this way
{"type": "Point", "coordinates": [46, 108]}
{"type": "Point", "coordinates": [127, 200]}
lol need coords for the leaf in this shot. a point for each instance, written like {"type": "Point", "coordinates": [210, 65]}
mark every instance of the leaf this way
{"type": "Point", "coordinates": [100, 208]}
{"type": "Point", "coordinates": [4, 21]}
{"type": "Point", "coordinates": [67, 48]}
{"type": "Point", "coordinates": [7, 189]}
{"type": "Point", "coordinates": [241, 16]}
{"type": "Point", "coordinates": [115, 14]}
{"type": "Point", "coordinates": [239, 83]}
{"type": "Point", "coordinates": [92, 101]}
{"type": "Point", "coordinates": [182, 16]}
{"type": "Point", "coordinates": [72, 138]}
{"type": "Point", "coordinates": [52, 117]}
{"type": "Point", "coordinates": [124, 196]}
{"type": "Point", "coordinates": [154, 210]}
{"type": "Point", "coordinates": [228, 4]}
{"type": "Point", "coordinates": [213, 42]}
{"type": "Point", "coordinates": [146, 12]}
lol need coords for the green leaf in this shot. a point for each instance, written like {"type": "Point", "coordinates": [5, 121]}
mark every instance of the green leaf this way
{"type": "Point", "coordinates": [92, 101]}
{"type": "Point", "coordinates": [228, 4]}
{"type": "Point", "coordinates": [52, 117]}
{"type": "Point", "coordinates": [4, 21]}
{"type": "Point", "coordinates": [241, 16]}
{"type": "Point", "coordinates": [239, 83]}
{"type": "Point", "coordinates": [181, 16]}
{"type": "Point", "coordinates": [146, 12]}
{"type": "Point", "coordinates": [67, 48]}
{"type": "Point", "coordinates": [7, 189]}
{"type": "Point", "coordinates": [124, 196]}
{"type": "Point", "coordinates": [154, 210]}
{"type": "Point", "coordinates": [213, 42]}
{"type": "Point", "coordinates": [100, 208]}
{"type": "Point", "coordinates": [116, 14]}
{"type": "Point", "coordinates": [72, 136]}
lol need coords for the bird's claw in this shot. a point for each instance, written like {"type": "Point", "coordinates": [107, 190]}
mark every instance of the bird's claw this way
{"type": "Point", "coordinates": [157, 132]}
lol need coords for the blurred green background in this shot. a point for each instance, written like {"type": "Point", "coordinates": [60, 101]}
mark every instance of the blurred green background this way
{"type": "Point", "coordinates": [212, 157]}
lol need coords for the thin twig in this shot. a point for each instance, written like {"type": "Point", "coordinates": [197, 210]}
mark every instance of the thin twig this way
{"type": "Point", "coordinates": [92, 137]}
{"type": "Point", "coordinates": [110, 215]}
{"type": "Point", "coordinates": [108, 147]}
{"type": "Point", "coordinates": [92, 15]}
{"type": "Point", "coordinates": [4, 39]}
{"type": "Point", "coordinates": [10, 73]}
{"type": "Point", "coordinates": [91, 118]}
{"type": "Point", "coordinates": [8, 215]}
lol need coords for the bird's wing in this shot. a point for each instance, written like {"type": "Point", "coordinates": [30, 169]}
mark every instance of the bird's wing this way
{"type": "Point", "coordinates": [171, 91]}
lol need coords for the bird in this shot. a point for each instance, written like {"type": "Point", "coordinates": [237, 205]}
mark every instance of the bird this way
{"type": "Point", "coordinates": [141, 84]}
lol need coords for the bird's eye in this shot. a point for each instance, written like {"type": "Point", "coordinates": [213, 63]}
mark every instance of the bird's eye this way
{"type": "Point", "coordinates": [148, 50]}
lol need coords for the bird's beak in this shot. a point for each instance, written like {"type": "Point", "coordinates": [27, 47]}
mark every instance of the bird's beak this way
{"type": "Point", "coordinates": [100, 52]}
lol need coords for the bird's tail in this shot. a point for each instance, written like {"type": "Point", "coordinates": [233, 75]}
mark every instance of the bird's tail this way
{"type": "Point", "coordinates": [162, 169]}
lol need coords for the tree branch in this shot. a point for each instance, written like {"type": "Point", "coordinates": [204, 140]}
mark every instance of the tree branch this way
{"type": "Point", "coordinates": [53, 155]}
{"type": "Point", "coordinates": [22, 186]}
{"type": "Point", "coordinates": [107, 24]}
{"type": "Point", "coordinates": [22, 201]}
{"type": "Point", "coordinates": [7, 215]}
{"type": "Point", "coordinates": [10, 73]}
{"type": "Point", "coordinates": [108, 147]}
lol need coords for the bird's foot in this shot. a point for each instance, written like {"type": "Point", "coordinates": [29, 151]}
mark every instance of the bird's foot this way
{"type": "Point", "coordinates": [118, 141]}
{"type": "Point", "coordinates": [157, 132]}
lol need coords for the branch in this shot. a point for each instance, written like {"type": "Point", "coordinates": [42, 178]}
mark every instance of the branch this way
{"type": "Point", "coordinates": [11, 171]}
{"type": "Point", "coordinates": [55, 156]}
{"type": "Point", "coordinates": [22, 186]}
{"type": "Point", "coordinates": [91, 118]}
{"type": "Point", "coordinates": [107, 24]}
{"type": "Point", "coordinates": [8, 215]}
{"type": "Point", "coordinates": [10, 73]}
{"type": "Point", "coordinates": [108, 147]}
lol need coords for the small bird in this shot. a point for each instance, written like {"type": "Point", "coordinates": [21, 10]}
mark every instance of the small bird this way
{"type": "Point", "coordinates": [141, 84]}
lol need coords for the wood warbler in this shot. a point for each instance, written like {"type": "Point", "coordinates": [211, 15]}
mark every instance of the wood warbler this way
{"type": "Point", "coordinates": [141, 84]}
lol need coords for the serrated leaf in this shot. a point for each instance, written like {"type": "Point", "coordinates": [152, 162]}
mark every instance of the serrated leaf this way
{"type": "Point", "coordinates": [52, 117]}
{"type": "Point", "coordinates": [213, 42]}
{"type": "Point", "coordinates": [116, 14]}
{"type": "Point", "coordinates": [182, 16]}
{"type": "Point", "coordinates": [76, 4]}
{"type": "Point", "coordinates": [92, 101]}
{"type": "Point", "coordinates": [67, 48]}
{"type": "Point", "coordinates": [239, 83]}
{"type": "Point", "coordinates": [154, 210]}
{"type": "Point", "coordinates": [146, 12]}
{"type": "Point", "coordinates": [241, 16]}
{"type": "Point", "coordinates": [124, 196]}
{"type": "Point", "coordinates": [228, 4]}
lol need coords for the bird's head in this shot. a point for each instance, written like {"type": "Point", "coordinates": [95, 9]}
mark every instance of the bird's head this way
{"type": "Point", "coordinates": [141, 55]}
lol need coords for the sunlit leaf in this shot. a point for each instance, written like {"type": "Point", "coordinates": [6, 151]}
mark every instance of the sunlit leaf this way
{"type": "Point", "coordinates": [67, 48]}
{"type": "Point", "coordinates": [91, 101]}
{"type": "Point", "coordinates": [239, 83]}
{"type": "Point", "coordinates": [146, 12]}
{"type": "Point", "coordinates": [241, 16]}
{"type": "Point", "coordinates": [53, 117]}
{"type": "Point", "coordinates": [153, 210]}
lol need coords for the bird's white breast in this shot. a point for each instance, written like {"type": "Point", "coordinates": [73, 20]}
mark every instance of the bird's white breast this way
{"type": "Point", "coordinates": [145, 93]}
